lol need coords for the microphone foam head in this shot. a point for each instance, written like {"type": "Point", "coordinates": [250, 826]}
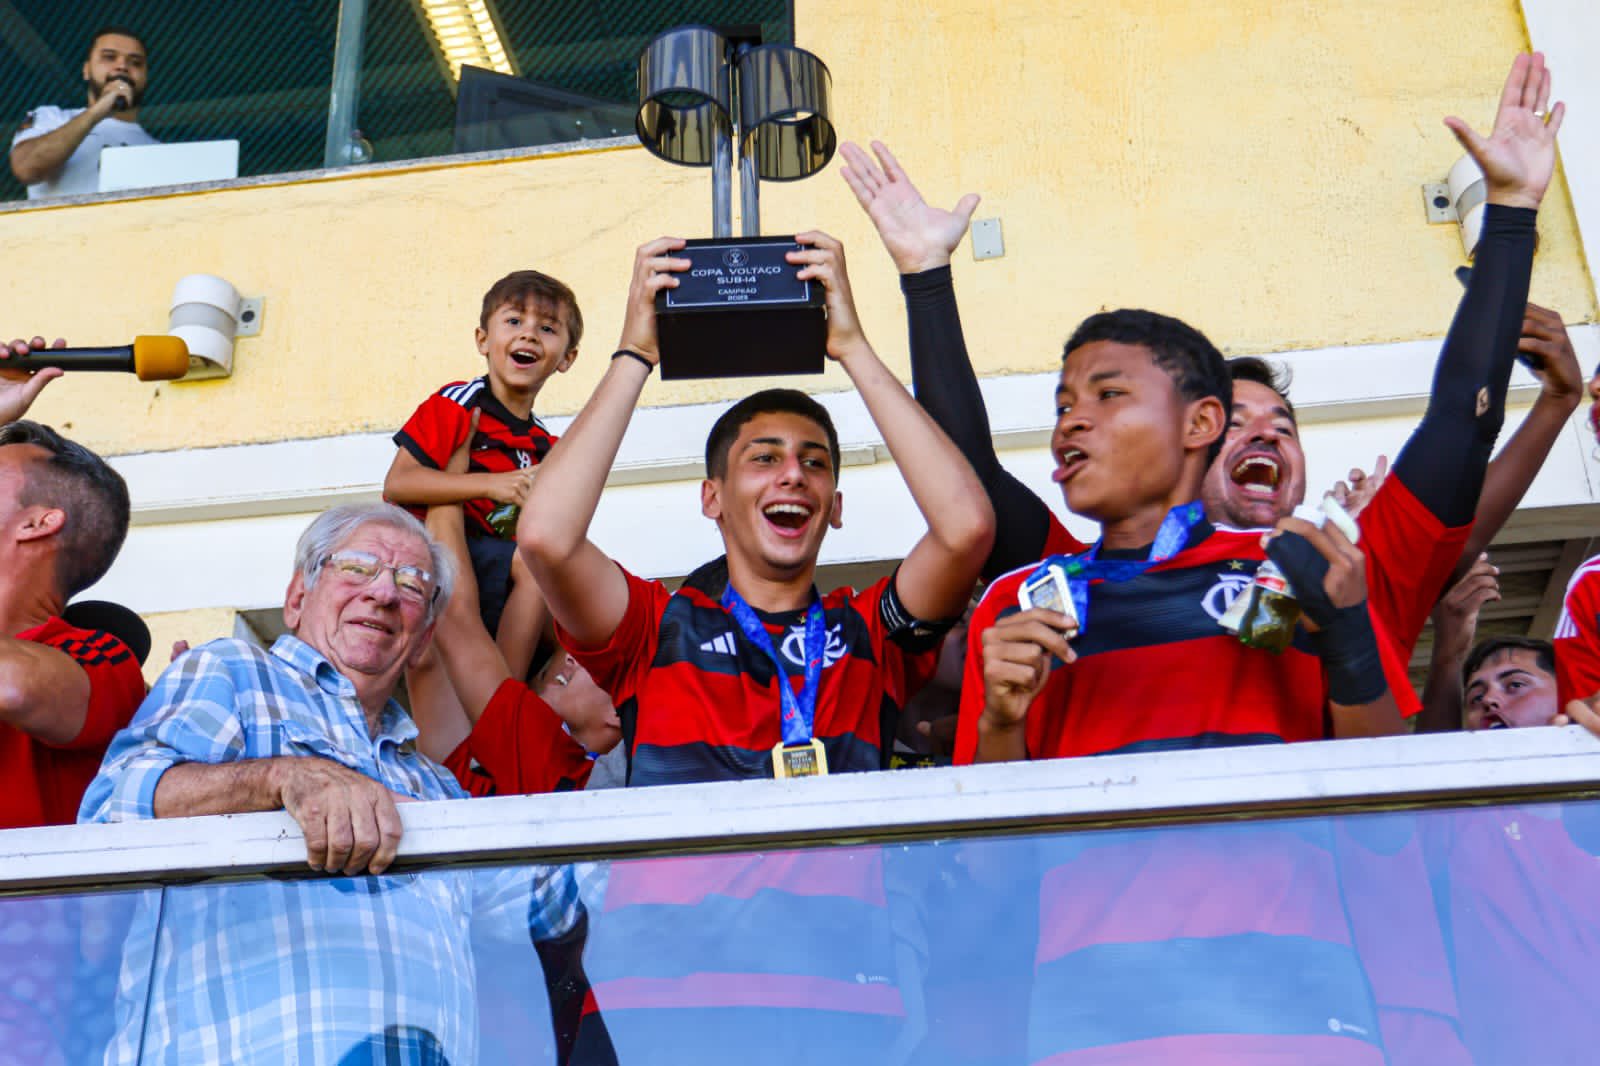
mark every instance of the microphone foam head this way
{"type": "Point", "coordinates": [160, 358]}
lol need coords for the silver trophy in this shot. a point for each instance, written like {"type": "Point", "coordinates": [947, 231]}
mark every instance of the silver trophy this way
{"type": "Point", "coordinates": [703, 93]}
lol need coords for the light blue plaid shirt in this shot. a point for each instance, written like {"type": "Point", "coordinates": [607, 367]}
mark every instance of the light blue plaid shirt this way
{"type": "Point", "coordinates": [304, 971]}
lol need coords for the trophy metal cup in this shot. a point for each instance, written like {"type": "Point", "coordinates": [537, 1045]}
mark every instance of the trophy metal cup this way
{"type": "Point", "coordinates": [738, 311]}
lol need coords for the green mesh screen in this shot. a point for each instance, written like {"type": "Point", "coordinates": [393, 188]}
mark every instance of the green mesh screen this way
{"type": "Point", "coordinates": [259, 71]}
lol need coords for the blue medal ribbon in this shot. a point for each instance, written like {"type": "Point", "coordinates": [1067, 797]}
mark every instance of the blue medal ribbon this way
{"type": "Point", "coordinates": [798, 715]}
{"type": "Point", "coordinates": [1088, 566]}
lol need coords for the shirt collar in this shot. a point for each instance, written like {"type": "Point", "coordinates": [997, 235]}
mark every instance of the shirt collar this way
{"type": "Point", "coordinates": [393, 723]}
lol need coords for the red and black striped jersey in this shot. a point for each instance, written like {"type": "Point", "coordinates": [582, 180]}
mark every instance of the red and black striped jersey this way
{"type": "Point", "coordinates": [518, 747]}
{"type": "Point", "coordinates": [1155, 671]}
{"type": "Point", "coordinates": [1577, 640]}
{"type": "Point", "coordinates": [697, 699]}
{"type": "Point", "coordinates": [503, 441]}
{"type": "Point", "coordinates": [45, 783]}
{"type": "Point", "coordinates": [1307, 940]}
{"type": "Point", "coordinates": [1516, 887]}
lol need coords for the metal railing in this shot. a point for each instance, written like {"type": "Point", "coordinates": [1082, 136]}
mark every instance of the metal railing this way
{"type": "Point", "coordinates": [1110, 792]}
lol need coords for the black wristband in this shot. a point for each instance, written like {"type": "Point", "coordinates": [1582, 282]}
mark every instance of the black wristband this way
{"type": "Point", "coordinates": [1348, 647]}
{"type": "Point", "coordinates": [631, 354]}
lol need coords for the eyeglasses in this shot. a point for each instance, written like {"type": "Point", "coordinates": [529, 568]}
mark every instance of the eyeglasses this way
{"type": "Point", "coordinates": [362, 568]}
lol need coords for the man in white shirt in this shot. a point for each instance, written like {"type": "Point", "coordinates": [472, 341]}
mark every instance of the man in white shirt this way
{"type": "Point", "coordinates": [57, 150]}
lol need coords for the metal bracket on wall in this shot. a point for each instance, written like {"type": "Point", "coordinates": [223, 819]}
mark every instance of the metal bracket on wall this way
{"type": "Point", "coordinates": [1436, 198]}
{"type": "Point", "coordinates": [250, 314]}
{"type": "Point", "coordinates": [987, 240]}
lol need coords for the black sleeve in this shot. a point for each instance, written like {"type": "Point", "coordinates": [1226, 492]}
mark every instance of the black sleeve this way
{"type": "Point", "coordinates": [944, 383]}
{"type": "Point", "coordinates": [1444, 461]}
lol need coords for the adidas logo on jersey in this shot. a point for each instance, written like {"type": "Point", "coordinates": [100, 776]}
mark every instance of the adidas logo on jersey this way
{"type": "Point", "coordinates": [721, 645]}
{"type": "Point", "coordinates": [792, 648]}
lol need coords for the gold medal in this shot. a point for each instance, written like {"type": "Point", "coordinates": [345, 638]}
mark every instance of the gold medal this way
{"type": "Point", "coordinates": [799, 760]}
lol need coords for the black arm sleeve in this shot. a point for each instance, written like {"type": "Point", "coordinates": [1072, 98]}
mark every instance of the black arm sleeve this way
{"type": "Point", "coordinates": [944, 383]}
{"type": "Point", "coordinates": [1444, 461]}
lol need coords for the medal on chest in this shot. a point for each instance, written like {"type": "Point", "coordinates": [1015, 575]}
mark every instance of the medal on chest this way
{"type": "Point", "coordinates": [799, 753]}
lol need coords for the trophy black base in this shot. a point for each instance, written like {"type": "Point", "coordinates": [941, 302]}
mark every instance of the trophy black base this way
{"type": "Point", "coordinates": [740, 312]}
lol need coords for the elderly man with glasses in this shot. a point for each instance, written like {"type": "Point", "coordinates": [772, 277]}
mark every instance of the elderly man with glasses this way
{"type": "Point", "coordinates": [317, 970]}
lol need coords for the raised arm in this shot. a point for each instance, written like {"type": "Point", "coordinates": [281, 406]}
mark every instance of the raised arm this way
{"type": "Point", "coordinates": [1546, 344]}
{"type": "Point", "coordinates": [38, 158]}
{"type": "Point", "coordinates": [585, 590]}
{"type": "Point", "coordinates": [920, 239]}
{"type": "Point", "coordinates": [1444, 461]}
{"type": "Point", "coordinates": [936, 579]}
{"type": "Point", "coordinates": [1455, 625]}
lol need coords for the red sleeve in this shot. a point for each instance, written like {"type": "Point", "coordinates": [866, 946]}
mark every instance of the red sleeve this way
{"type": "Point", "coordinates": [116, 687]}
{"type": "Point", "coordinates": [1410, 556]}
{"type": "Point", "coordinates": [1396, 664]}
{"type": "Point", "coordinates": [459, 762]}
{"type": "Point", "coordinates": [434, 430]}
{"type": "Point", "coordinates": [620, 664]}
{"type": "Point", "coordinates": [1059, 542]}
{"type": "Point", "coordinates": [999, 594]}
{"type": "Point", "coordinates": [521, 746]}
{"type": "Point", "coordinates": [1577, 640]}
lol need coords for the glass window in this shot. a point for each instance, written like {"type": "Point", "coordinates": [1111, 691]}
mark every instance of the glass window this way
{"type": "Point", "coordinates": [1446, 936]}
{"type": "Point", "coordinates": [430, 78]}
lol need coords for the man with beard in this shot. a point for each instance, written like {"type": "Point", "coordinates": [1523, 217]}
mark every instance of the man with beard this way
{"type": "Point", "coordinates": [57, 150]}
{"type": "Point", "coordinates": [1419, 523]}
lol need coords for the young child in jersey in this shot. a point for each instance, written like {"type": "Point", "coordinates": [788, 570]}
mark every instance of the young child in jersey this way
{"type": "Point", "coordinates": [528, 329]}
{"type": "Point", "coordinates": [748, 671]}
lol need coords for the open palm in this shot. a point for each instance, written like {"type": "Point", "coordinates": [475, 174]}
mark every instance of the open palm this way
{"type": "Point", "coordinates": [918, 235]}
{"type": "Point", "coordinates": [1518, 157]}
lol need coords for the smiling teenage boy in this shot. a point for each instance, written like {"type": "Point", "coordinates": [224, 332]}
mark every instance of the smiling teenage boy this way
{"type": "Point", "coordinates": [690, 674]}
{"type": "Point", "coordinates": [748, 671]}
{"type": "Point", "coordinates": [1421, 523]}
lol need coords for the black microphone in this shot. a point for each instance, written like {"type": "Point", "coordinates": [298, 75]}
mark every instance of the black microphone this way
{"type": "Point", "coordinates": [155, 358]}
{"type": "Point", "coordinates": [121, 102]}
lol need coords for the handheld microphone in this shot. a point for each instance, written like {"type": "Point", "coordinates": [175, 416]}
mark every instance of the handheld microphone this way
{"type": "Point", "coordinates": [121, 102]}
{"type": "Point", "coordinates": [155, 358]}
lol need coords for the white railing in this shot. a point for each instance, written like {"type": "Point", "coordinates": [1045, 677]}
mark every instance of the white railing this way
{"type": "Point", "coordinates": [1124, 790]}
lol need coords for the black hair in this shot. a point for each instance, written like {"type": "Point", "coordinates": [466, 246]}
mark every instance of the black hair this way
{"type": "Point", "coordinates": [765, 402]}
{"type": "Point", "coordinates": [1544, 655]}
{"type": "Point", "coordinates": [93, 496]}
{"type": "Point", "coordinates": [1193, 362]}
{"type": "Point", "coordinates": [114, 30]}
{"type": "Point", "coordinates": [1275, 376]}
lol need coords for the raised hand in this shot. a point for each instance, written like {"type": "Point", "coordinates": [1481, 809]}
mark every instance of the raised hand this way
{"type": "Point", "coordinates": [1546, 344]}
{"type": "Point", "coordinates": [1455, 619]}
{"type": "Point", "coordinates": [823, 261]}
{"type": "Point", "coordinates": [1519, 155]}
{"type": "Point", "coordinates": [1361, 487]}
{"type": "Point", "coordinates": [918, 235]}
{"type": "Point", "coordinates": [19, 388]}
{"type": "Point", "coordinates": [653, 270]}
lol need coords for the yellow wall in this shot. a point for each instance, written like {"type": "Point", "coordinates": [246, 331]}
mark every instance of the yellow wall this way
{"type": "Point", "coordinates": [1251, 166]}
{"type": "Point", "coordinates": [196, 627]}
